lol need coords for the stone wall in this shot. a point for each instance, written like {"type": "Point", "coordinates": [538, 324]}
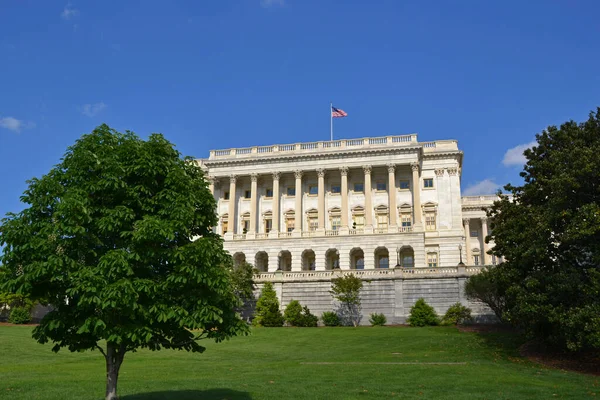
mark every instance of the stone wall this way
{"type": "Point", "coordinates": [391, 294]}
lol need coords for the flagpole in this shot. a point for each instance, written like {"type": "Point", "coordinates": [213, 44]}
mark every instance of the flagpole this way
{"type": "Point", "coordinates": [331, 121]}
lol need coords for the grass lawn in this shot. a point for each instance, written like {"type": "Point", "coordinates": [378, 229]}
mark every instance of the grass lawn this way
{"type": "Point", "coordinates": [297, 363]}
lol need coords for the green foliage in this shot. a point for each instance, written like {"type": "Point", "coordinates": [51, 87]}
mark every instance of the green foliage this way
{"type": "Point", "coordinates": [489, 286]}
{"type": "Point", "coordinates": [457, 314]}
{"type": "Point", "coordinates": [549, 235]}
{"type": "Point", "coordinates": [346, 290]}
{"type": "Point", "coordinates": [377, 319]}
{"type": "Point", "coordinates": [330, 318]}
{"type": "Point", "coordinates": [107, 237]}
{"type": "Point", "coordinates": [422, 314]}
{"type": "Point", "coordinates": [242, 282]}
{"type": "Point", "coordinates": [20, 315]}
{"type": "Point", "coordinates": [293, 313]}
{"type": "Point", "coordinates": [10, 301]}
{"type": "Point", "coordinates": [267, 308]}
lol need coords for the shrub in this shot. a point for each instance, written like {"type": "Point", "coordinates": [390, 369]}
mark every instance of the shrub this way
{"type": "Point", "coordinates": [267, 308]}
{"type": "Point", "coordinates": [293, 313]}
{"type": "Point", "coordinates": [422, 314]}
{"type": "Point", "coordinates": [330, 318]}
{"type": "Point", "coordinates": [377, 319]}
{"type": "Point", "coordinates": [490, 287]}
{"type": "Point", "coordinates": [457, 314]}
{"type": "Point", "coordinates": [19, 315]}
{"type": "Point", "coordinates": [308, 319]}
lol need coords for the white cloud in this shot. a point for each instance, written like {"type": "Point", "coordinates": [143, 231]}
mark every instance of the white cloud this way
{"type": "Point", "coordinates": [15, 125]}
{"type": "Point", "coordinates": [91, 110]}
{"type": "Point", "coordinates": [486, 186]}
{"type": "Point", "coordinates": [69, 12]}
{"type": "Point", "coordinates": [271, 3]}
{"type": "Point", "coordinates": [515, 155]}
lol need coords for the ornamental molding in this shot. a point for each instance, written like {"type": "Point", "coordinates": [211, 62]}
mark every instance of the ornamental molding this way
{"type": "Point", "coordinates": [232, 178]}
{"type": "Point", "coordinates": [254, 177]}
{"type": "Point", "coordinates": [452, 171]}
{"type": "Point", "coordinates": [466, 221]}
{"type": "Point", "coordinates": [391, 168]}
{"type": "Point", "coordinates": [298, 173]}
{"type": "Point", "coordinates": [344, 171]}
{"type": "Point", "coordinates": [439, 172]}
{"type": "Point", "coordinates": [276, 175]}
{"type": "Point", "coordinates": [367, 169]}
{"type": "Point", "coordinates": [320, 172]}
{"type": "Point", "coordinates": [414, 166]}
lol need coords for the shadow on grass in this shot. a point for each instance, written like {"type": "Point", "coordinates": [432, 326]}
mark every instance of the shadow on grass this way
{"type": "Point", "coordinates": [499, 339]}
{"type": "Point", "coordinates": [210, 394]}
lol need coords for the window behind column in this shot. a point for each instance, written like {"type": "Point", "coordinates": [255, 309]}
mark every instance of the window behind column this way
{"type": "Point", "coordinates": [245, 222]}
{"type": "Point", "coordinates": [476, 257]}
{"type": "Point", "coordinates": [358, 218]}
{"type": "Point", "coordinates": [335, 218]}
{"type": "Point", "coordinates": [381, 214]}
{"type": "Point", "coordinates": [430, 211]}
{"type": "Point", "coordinates": [268, 221]}
{"type": "Point", "coordinates": [313, 219]}
{"type": "Point", "coordinates": [224, 224]}
{"type": "Point", "coordinates": [406, 218]}
{"type": "Point", "coordinates": [290, 220]}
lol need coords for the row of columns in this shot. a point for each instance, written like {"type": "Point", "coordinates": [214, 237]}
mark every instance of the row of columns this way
{"type": "Point", "coordinates": [321, 198]}
{"type": "Point", "coordinates": [484, 233]}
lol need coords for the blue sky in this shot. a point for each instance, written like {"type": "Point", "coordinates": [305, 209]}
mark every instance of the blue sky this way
{"type": "Point", "coordinates": [233, 73]}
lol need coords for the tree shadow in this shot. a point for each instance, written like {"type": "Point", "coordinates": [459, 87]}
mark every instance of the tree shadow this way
{"type": "Point", "coordinates": [209, 394]}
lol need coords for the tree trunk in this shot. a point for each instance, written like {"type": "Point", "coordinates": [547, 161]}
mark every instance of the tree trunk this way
{"type": "Point", "coordinates": [114, 359]}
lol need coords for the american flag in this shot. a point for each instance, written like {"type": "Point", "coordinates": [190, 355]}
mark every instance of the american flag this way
{"type": "Point", "coordinates": [337, 113]}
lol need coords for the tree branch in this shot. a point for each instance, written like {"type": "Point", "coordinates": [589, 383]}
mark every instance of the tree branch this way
{"type": "Point", "coordinates": [101, 350]}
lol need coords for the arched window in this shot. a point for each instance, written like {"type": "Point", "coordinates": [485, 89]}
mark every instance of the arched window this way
{"type": "Point", "coordinates": [332, 258]}
{"type": "Point", "coordinates": [308, 260]}
{"type": "Point", "coordinates": [357, 258]}
{"type": "Point", "coordinates": [382, 258]}
{"type": "Point", "coordinates": [261, 261]}
{"type": "Point", "coordinates": [407, 257]}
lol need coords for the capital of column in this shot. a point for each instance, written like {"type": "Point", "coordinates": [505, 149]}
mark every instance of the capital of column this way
{"type": "Point", "coordinates": [439, 171]}
{"type": "Point", "coordinates": [414, 166]}
{"type": "Point", "coordinates": [232, 178]}
{"type": "Point", "coordinates": [298, 173]}
{"type": "Point", "coordinates": [391, 168]}
{"type": "Point", "coordinates": [320, 172]}
{"type": "Point", "coordinates": [367, 169]}
{"type": "Point", "coordinates": [344, 171]}
{"type": "Point", "coordinates": [466, 221]}
{"type": "Point", "coordinates": [452, 171]}
{"type": "Point", "coordinates": [254, 177]}
{"type": "Point", "coordinates": [484, 219]}
{"type": "Point", "coordinates": [276, 175]}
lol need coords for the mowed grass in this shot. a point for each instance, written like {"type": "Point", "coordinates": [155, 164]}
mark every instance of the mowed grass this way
{"type": "Point", "coordinates": [280, 363]}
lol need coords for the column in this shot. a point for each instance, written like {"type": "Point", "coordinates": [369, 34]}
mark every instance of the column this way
{"type": "Point", "coordinates": [321, 199]}
{"type": "Point", "coordinates": [368, 203]}
{"type": "Point", "coordinates": [232, 200]}
{"type": "Point", "coordinates": [298, 208]}
{"type": "Point", "coordinates": [416, 192]}
{"type": "Point", "coordinates": [275, 210]}
{"type": "Point", "coordinates": [468, 261]}
{"type": "Point", "coordinates": [484, 232]}
{"type": "Point", "coordinates": [211, 184]}
{"type": "Point", "coordinates": [344, 189]}
{"type": "Point", "coordinates": [392, 206]}
{"type": "Point", "coordinates": [253, 189]}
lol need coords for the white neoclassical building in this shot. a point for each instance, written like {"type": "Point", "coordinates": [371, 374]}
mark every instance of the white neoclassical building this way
{"type": "Point", "coordinates": [386, 209]}
{"type": "Point", "coordinates": [361, 204]}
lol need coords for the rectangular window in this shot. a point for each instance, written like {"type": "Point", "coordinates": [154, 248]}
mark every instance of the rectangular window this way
{"type": "Point", "coordinates": [269, 193]}
{"type": "Point", "coordinates": [246, 226]}
{"type": "Point", "coordinates": [475, 260]}
{"type": "Point", "coordinates": [246, 194]}
{"type": "Point", "coordinates": [404, 185]}
{"type": "Point", "coordinates": [359, 187]}
{"type": "Point", "coordinates": [336, 223]}
{"type": "Point", "coordinates": [430, 221]}
{"type": "Point", "coordinates": [428, 182]}
{"type": "Point", "coordinates": [224, 227]}
{"type": "Point", "coordinates": [382, 221]}
{"type": "Point", "coordinates": [289, 224]}
{"type": "Point", "coordinates": [381, 186]}
{"type": "Point", "coordinates": [336, 189]}
{"type": "Point", "coordinates": [359, 221]}
{"type": "Point", "coordinates": [313, 189]}
{"type": "Point", "coordinates": [432, 261]}
{"type": "Point", "coordinates": [291, 191]}
{"type": "Point", "coordinates": [313, 223]}
{"type": "Point", "coordinates": [406, 222]}
{"type": "Point", "coordinates": [226, 196]}
{"type": "Point", "coordinates": [474, 233]}
{"type": "Point", "coordinates": [268, 225]}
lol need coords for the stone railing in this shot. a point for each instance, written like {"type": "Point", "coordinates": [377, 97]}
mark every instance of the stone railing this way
{"type": "Point", "coordinates": [324, 233]}
{"type": "Point", "coordinates": [335, 145]}
{"type": "Point", "coordinates": [368, 274]}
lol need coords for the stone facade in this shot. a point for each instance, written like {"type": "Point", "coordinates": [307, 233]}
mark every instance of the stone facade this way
{"type": "Point", "coordinates": [390, 205]}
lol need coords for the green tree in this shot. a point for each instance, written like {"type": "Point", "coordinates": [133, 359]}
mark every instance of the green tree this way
{"type": "Point", "coordinates": [422, 314]}
{"type": "Point", "coordinates": [293, 313]}
{"type": "Point", "coordinates": [267, 308]}
{"type": "Point", "coordinates": [549, 236]}
{"type": "Point", "coordinates": [108, 238]}
{"type": "Point", "coordinates": [242, 281]}
{"type": "Point", "coordinates": [489, 286]}
{"type": "Point", "coordinates": [346, 290]}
